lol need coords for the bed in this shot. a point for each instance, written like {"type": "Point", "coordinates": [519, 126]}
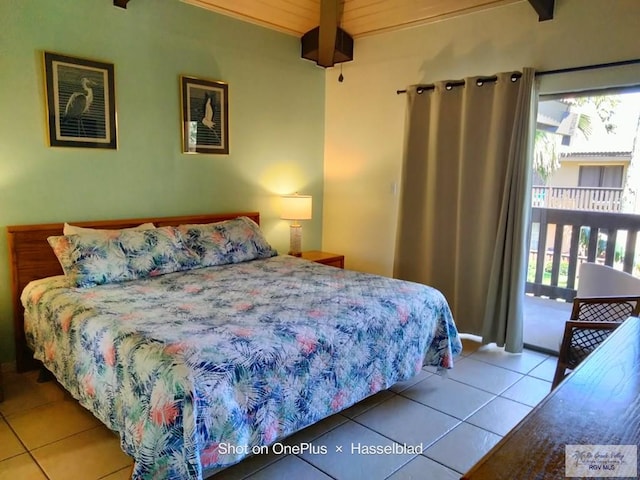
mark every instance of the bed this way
{"type": "Point", "coordinates": [196, 367]}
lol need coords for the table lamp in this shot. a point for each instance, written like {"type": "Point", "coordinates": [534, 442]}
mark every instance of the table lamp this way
{"type": "Point", "coordinates": [296, 207]}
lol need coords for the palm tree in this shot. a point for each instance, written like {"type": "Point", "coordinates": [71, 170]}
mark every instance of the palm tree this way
{"type": "Point", "coordinates": [546, 149]}
{"type": "Point", "coordinates": [545, 155]}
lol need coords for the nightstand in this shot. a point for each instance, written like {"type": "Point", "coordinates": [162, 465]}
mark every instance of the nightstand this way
{"type": "Point", "coordinates": [324, 257]}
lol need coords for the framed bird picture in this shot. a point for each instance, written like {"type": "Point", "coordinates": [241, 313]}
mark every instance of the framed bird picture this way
{"type": "Point", "coordinates": [205, 116]}
{"type": "Point", "coordinates": [81, 106]}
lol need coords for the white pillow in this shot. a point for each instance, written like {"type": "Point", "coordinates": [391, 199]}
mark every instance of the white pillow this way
{"type": "Point", "coordinates": [75, 230]}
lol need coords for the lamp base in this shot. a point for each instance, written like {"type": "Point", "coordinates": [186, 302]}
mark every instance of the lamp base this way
{"type": "Point", "coordinates": [295, 240]}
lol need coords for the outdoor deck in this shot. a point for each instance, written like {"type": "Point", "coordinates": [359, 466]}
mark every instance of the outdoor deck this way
{"type": "Point", "coordinates": [568, 238]}
{"type": "Point", "coordinates": [544, 322]}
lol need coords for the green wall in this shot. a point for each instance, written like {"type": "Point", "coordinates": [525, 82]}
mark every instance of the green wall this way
{"type": "Point", "coordinates": [276, 120]}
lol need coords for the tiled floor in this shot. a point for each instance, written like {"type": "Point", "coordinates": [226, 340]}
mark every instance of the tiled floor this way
{"type": "Point", "coordinates": [44, 433]}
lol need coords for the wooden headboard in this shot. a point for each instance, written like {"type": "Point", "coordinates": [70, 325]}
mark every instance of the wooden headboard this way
{"type": "Point", "coordinates": [32, 258]}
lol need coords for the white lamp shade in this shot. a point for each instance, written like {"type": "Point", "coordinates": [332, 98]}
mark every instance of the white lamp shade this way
{"type": "Point", "coordinates": [296, 207]}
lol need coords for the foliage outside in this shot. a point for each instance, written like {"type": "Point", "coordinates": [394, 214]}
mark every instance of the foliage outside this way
{"type": "Point", "coordinates": [547, 146]}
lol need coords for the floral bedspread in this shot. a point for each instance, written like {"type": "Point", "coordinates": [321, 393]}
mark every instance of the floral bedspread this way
{"type": "Point", "coordinates": [240, 355]}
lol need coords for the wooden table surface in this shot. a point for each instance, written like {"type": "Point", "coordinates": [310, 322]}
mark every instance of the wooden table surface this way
{"type": "Point", "coordinates": [598, 404]}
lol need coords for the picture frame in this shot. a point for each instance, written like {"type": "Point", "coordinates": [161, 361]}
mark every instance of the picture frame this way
{"type": "Point", "coordinates": [80, 101]}
{"type": "Point", "coordinates": [205, 115]}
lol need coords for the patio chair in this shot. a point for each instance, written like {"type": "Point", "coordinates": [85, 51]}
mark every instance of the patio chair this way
{"type": "Point", "coordinates": [592, 321]}
{"type": "Point", "coordinates": [595, 280]}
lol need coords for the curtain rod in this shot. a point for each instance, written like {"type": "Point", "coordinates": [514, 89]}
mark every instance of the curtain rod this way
{"type": "Point", "coordinates": [481, 80]}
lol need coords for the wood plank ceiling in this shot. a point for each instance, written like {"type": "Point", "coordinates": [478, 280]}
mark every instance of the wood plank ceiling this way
{"type": "Point", "coordinates": [357, 17]}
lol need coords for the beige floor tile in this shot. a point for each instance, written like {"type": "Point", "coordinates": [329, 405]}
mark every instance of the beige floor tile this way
{"type": "Point", "coordinates": [499, 415]}
{"type": "Point", "coordinates": [51, 422]}
{"type": "Point", "coordinates": [546, 370]}
{"type": "Point", "coordinates": [337, 453]}
{"type": "Point", "coordinates": [22, 392]}
{"type": "Point", "coordinates": [448, 396]}
{"type": "Point", "coordinates": [483, 375]}
{"type": "Point", "coordinates": [408, 422]}
{"type": "Point", "coordinates": [10, 446]}
{"type": "Point", "coordinates": [367, 403]}
{"type": "Point", "coordinates": [21, 467]}
{"type": "Point", "coordinates": [400, 386]}
{"type": "Point", "coordinates": [462, 447]}
{"type": "Point", "coordinates": [243, 469]}
{"type": "Point", "coordinates": [522, 362]}
{"type": "Point", "coordinates": [421, 468]}
{"type": "Point", "coordinates": [93, 454]}
{"type": "Point", "coordinates": [289, 467]}
{"type": "Point", "coordinates": [124, 474]}
{"type": "Point", "coordinates": [529, 391]}
{"type": "Point", "coordinates": [259, 462]}
{"type": "Point", "coordinates": [310, 433]}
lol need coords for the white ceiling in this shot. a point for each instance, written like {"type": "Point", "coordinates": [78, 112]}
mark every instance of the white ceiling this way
{"type": "Point", "coordinates": [359, 17]}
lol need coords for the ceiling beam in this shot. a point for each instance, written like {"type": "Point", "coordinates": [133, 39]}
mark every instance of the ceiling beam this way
{"type": "Point", "coordinates": [120, 3]}
{"type": "Point", "coordinates": [544, 8]}
{"type": "Point", "coordinates": [328, 29]}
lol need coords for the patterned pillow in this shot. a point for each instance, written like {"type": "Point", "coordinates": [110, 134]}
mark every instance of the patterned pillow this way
{"type": "Point", "coordinates": [89, 260]}
{"type": "Point", "coordinates": [155, 252]}
{"type": "Point", "coordinates": [94, 259]}
{"type": "Point", "coordinates": [230, 241]}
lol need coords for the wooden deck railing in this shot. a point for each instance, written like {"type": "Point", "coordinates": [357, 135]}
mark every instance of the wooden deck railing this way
{"type": "Point", "coordinates": [577, 236]}
{"type": "Point", "coordinates": [578, 198]}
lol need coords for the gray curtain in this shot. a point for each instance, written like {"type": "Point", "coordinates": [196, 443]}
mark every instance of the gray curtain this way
{"type": "Point", "coordinates": [463, 219]}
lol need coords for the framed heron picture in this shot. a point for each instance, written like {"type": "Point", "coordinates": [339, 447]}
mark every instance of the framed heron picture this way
{"type": "Point", "coordinates": [81, 107]}
{"type": "Point", "coordinates": [205, 116]}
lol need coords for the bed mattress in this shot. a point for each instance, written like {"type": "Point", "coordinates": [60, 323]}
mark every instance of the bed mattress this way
{"type": "Point", "coordinates": [237, 356]}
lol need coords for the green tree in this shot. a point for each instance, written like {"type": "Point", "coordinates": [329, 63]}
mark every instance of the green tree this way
{"type": "Point", "coordinates": [605, 107]}
{"type": "Point", "coordinates": [546, 158]}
